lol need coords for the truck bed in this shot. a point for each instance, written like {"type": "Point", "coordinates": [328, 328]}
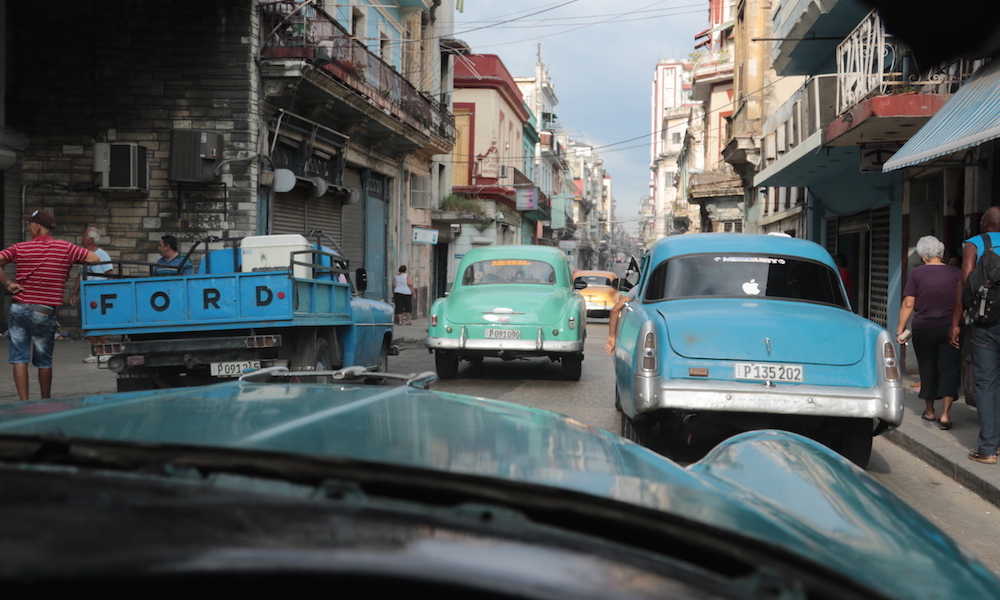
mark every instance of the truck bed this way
{"type": "Point", "coordinates": [212, 302]}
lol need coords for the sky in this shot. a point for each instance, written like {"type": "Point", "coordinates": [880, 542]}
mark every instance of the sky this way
{"type": "Point", "coordinates": [600, 57]}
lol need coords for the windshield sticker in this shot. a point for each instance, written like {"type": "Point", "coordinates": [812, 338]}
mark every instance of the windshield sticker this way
{"type": "Point", "coordinates": [751, 259]}
{"type": "Point", "coordinates": [510, 263]}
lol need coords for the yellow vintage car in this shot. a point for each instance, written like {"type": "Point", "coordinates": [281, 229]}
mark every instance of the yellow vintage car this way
{"type": "Point", "coordinates": [601, 292]}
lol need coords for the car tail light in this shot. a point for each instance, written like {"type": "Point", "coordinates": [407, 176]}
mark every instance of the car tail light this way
{"type": "Point", "coordinates": [649, 352]}
{"type": "Point", "coordinates": [434, 320]}
{"type": "Point", "coordinates": [890, 365]}
{"type": "Point", "coordinates": [572, 322]}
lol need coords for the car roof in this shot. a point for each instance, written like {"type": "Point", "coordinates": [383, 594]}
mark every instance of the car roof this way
{"type": "Point", "coordinates": [608, 274]}
{"type": "Point", "coordinates": [698, 243]}
{"type": "Point", "coordinates": [546, 253]}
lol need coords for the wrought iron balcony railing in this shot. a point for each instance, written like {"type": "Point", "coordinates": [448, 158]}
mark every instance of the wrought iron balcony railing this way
{"type": "Point", "coordinates": [311, 34]}
{"type": "Point", "coordinates": [870, 62]}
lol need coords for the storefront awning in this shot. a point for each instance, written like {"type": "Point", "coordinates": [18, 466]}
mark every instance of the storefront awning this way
{"type": "Point", "coordinates": [971, 117]}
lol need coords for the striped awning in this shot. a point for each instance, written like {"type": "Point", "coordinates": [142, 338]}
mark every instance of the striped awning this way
{"type": "Point", "coordinates": [971, 117]}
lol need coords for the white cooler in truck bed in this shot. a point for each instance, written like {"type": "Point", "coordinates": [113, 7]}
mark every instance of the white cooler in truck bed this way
{"type": "Point", "coordinates": [270, 252]}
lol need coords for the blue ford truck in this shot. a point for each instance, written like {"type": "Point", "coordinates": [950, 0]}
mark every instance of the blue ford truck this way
{"type": "Point", "coordinates": [254, 302]}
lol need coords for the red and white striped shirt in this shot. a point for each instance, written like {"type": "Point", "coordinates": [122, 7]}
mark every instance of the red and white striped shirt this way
{"type": "Point", "coordinates": [43, 265]}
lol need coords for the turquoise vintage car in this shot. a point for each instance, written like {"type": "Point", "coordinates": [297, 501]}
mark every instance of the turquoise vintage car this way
{"type": "Point", "coordinates": [509, 302]}
{"type": "Point", "coordinates": [731, 332]}
{"type": "Point", "coordinates": [259, 487]}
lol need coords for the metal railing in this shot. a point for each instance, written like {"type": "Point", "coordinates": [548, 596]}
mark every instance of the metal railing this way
{"type": "Point", "coordinates": [870, 62]}
{"type": "Point", "coordinates": [310, 33]}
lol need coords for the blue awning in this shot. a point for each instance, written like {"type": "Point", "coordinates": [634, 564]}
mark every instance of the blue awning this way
{"type": "Point", "coordinates": [971, 117]}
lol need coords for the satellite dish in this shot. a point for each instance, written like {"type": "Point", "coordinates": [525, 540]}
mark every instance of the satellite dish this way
{"type": "Point", "coordinates": [319, 186]}
{"type": "Point", "coordinates": [284, 180]}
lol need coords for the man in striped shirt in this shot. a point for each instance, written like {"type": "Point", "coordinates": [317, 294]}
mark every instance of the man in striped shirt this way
{"type": "Point", "coordinates": [43, 265]}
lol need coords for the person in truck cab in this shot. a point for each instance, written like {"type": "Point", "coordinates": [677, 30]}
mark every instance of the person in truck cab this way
{"type": "Point", "coordinates": [43, 266]}
{"type": "Point", "coordinates": [170, 257]}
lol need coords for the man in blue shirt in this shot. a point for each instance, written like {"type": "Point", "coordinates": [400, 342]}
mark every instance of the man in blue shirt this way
{"type": "Point", "coordinates": [984, 346]}
{"type": "Point", "coordinates": [171, 258]}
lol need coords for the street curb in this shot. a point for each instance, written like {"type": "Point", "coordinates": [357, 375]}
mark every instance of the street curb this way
{"type": "Point", "coordinates": [935, 456]}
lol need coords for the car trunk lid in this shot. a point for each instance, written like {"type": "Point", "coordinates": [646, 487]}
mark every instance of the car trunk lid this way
{"type": "Point", "coordinates": [495, 304]}
{"type": "Point", "coordinates": [763, 331]}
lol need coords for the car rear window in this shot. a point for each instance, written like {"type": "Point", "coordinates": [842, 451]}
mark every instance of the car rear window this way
{"type": "Point", "coordinates": [745, 276]}
{"type": "Point", "coordinates": [509, 270]}
{"type": "Point", "coordinates": [594, 279]}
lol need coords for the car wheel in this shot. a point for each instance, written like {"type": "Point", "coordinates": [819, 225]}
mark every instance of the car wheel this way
{"type": "Point", "coordinates": [446, 364]}
{"type": "Point", "coordinates": [637, 431]}
{"type": "Point", "coordinates": [854, 441]}
{"type": "Point", "coordinates": [572, 367]}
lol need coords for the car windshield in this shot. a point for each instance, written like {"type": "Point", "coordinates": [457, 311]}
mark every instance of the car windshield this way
{"type": "Point", "coordinates": [595, 279]}
{"type": "Point", "coordinates": [743, 276]}
{"type": "Point", "coordinates": [509, 270]}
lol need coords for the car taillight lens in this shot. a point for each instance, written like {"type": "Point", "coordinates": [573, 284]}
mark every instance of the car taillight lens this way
{"type": "Point", "coordinates": [434, 320]}
{"type": "Point", "coordinates": [649, 352]}
{"type": "Point", "coordinates": [890, 365]}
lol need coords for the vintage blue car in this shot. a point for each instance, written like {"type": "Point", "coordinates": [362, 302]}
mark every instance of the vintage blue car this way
{"type": "Point", "coordinates": [733, 332]}
{"type": "Point", "coordinates": [510, 302]}
{"type": "Point", "coordinates": [258, 487]}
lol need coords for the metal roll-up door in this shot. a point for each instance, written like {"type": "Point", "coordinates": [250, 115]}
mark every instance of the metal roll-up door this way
{"type": "Point", "coordinates": [353, 221]}
{"type": "Point", "coordinates": [289, 214]}
{"type": "Point", "coordinates": [299, 212]}
{"type": "Point", "coordinates": [878, 291]}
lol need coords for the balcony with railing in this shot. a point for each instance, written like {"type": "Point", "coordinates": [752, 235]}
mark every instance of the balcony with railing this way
{"type": "Point", "coordinates": [311, 35]}
{"type": "Point", "coordinates": [871, 62]}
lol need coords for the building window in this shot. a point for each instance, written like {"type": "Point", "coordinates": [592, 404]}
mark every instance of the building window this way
{"type": "Point", "coordinates": [677, 138]}
{"type": "Point", "coordinates": [420, 191]}
{"type": "Point", "coordinates": [732, 226]}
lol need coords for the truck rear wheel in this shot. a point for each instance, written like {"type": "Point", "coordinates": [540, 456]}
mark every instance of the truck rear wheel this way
{"type": "Point", "coordinates": [135, 384]}
{"type": "Point", "coordinates": [323, 360]}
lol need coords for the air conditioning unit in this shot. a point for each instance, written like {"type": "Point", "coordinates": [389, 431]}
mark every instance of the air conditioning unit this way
{"type": "Point", "coordinates": [121, 167]}
{"type": "Point", "coordinates": [194, 155]}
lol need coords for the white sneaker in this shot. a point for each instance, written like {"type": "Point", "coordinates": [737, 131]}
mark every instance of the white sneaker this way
{"type": "Point", "coordinates": [105, 357]}
{"type": "Point", "coordinates": [90, 359]}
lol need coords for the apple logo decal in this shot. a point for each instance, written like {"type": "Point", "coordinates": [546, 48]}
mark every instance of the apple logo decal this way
{"type": "Point", "coordinates": [751, 287]}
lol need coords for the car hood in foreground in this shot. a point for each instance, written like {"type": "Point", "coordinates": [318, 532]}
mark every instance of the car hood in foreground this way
{"type": "Point", "coordinates": [776, 487]}
{"type": "Point", "coordinates": [516, 304]}
{"type": "Point", "coordinates": [764, 331]}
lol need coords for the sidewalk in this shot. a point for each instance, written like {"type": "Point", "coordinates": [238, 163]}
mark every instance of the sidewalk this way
{"type": "Point", "coordinates": [944, 450]}
{"type": "Point", "coordinates": [947, 451]}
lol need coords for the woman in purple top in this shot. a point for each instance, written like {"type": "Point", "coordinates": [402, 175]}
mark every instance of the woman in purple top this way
{"type": "Point", "coordinates": [929, 297]}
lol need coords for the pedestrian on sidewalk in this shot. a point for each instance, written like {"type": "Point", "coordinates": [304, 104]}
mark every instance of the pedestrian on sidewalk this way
{"type": "Point", "coordinates": [984, 346]}
{"type": "Point", "coordinates": [43, 266]}
{"type": "Point", "coordinates": [402, 297]}
{"type": "Point", "coordinates": [89, 241]}
{"type": "Point", "coordinates": [929, 298]}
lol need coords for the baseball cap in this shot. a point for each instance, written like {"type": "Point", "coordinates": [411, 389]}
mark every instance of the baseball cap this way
{"type": "Point", "coordinates": [42, 217]}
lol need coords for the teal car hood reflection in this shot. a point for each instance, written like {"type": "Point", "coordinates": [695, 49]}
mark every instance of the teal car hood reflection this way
{"type": "Point", "coordinates": [773, 486]}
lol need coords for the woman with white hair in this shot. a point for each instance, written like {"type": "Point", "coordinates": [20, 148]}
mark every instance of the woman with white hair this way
{"type": "Point", "coordinates": [929, 297]}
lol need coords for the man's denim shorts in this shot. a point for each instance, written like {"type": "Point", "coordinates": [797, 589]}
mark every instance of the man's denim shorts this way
{"type": "Point", "coordinates": [31, 330]}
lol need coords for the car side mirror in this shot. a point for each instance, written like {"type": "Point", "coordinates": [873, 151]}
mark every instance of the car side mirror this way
{"type": "Point", "coordinates": [579, 284]}
{"type": "Point", "coordinates": [361, 280]}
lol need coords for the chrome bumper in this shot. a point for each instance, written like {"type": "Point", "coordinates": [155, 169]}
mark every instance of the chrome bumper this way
{"type": "Point", "coordinates": [537, 344]}
{"type": "Point", "coordinates": [884, 402]}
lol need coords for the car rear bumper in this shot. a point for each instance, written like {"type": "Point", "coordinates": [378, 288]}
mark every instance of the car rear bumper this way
{"type": "Point", "coordinates": [536, 344]}
{"type": "Point", "coordinates": [883, 402]}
